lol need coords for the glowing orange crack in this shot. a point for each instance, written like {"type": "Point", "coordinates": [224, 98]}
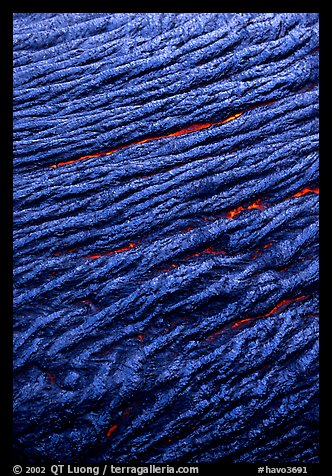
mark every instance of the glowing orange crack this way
{"type": "Point", "coordinates": [185, 130]}
{"type": "Point", "coordinates": [258, 204]}
{"type": "Point", "coordinates": [111, 430]}
{"type": "Point", "coordinates": [119, 250]}
{"type": "Point", "coordinates": [214, 335]}
{"type": "Point", "coordinates": [242, 321]}
{"type": "Point", "coordinates": [211, 251]}
{"type": "Point", "coordinates": [259, 251]}
{"type": "Point", "coordinates": [281, 304]}
{"type": "Point", "coordinates": [173, 265]}
{"type": "Point", "coordinates": [234, 212]}
{"type": "Point", "coordinates": [305, 191]}
{"type": "Point", "coordinates": [207, 251]}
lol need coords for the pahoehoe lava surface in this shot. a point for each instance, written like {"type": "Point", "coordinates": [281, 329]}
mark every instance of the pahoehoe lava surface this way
{"type": "Point", "coordinates": [166, 237]}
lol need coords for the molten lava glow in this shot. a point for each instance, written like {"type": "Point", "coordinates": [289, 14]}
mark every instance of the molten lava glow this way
{"type": "Point", "coordinates": [281, 304]}
{"type": "Point", "coordinates": [140, 337]}
{"type": "Point", "coordinates": [111, 430]}
{"type": "Point", "coordinates": [284, 303]}
{"type": "Point", "coordinates": [231, 118]}
{"type": "Point", "coordinates": [118, 250]}
{"type": "Point", "coordinates": [84, 157]}
{"type": "Point", "coordinates": [283, 269]}
{"type": "Point", "coordinates": [214, 335]}
{"type": "Point", "coordinates": [259, 205]}
{"type": "Point", "coordinates": [242, 321]}
{"type": "Point", "coordinates": [189, 129]}
{"type": "Point", "coordinates": [307, 190]}
{"type": "Point", "coordinates": [173, 265]}
{"type": "Point", "coordinates": [236, 211]}
{"type": "Point", "coordinates": [259, 251]}
{"type": "Point", "coordinates": [185, 130]}
{"type": "Point", "coordinates": [95, 256]}
{"type": "Point", "coordinates": [211, 251]}
{"type": "Point", "coordinates": [207, 251]}
{"type": "Point", "coordinates": [126, 248]}
{"type": "Point", "coordinates": [59, 253]}
{"type": "Point", "coordinates": [186, 230]}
